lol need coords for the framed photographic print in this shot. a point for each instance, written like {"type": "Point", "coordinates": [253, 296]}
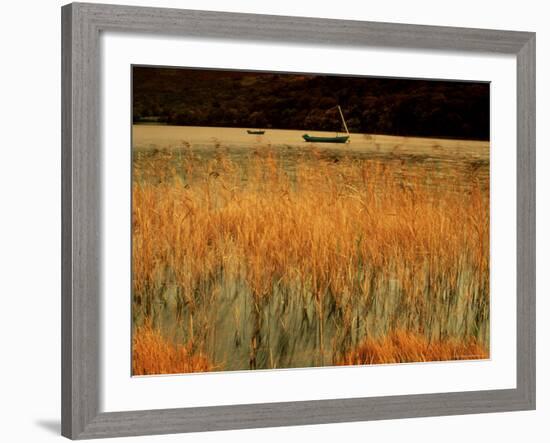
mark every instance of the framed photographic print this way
{"type": "Point", "coordinates": [273, 221]}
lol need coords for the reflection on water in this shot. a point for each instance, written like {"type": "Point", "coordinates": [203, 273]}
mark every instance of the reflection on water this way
{"type": "Point", "coordinates": [289, 325]}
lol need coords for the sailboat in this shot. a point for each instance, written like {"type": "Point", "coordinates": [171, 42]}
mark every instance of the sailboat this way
{"type": "Point", "coordinates": [335, 139]}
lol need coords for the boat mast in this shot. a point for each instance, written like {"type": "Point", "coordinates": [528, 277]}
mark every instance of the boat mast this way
{"type": "Point", "coordinates": [343, 120]}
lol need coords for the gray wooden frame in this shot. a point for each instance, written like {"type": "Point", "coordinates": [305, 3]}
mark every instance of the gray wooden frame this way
{"type": "Point", "coordinates": [81, 205]}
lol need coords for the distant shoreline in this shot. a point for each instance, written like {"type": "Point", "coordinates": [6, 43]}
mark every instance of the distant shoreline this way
{"type": "Point", "coordinates": [314, 131]}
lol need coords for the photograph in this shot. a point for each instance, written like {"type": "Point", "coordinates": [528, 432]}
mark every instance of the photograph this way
{"type": "Point", "coordinates": [275, 222]}
{"type": "Point", "coordinates": [299, 220]}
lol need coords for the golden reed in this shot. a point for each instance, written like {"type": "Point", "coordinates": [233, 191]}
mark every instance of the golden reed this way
{"type": "Point", "coordinates": [322, 225]}
{"type": "Point", "coordinates": [407, 347]}
{"type": "Point", "coordinates": [153, 354]}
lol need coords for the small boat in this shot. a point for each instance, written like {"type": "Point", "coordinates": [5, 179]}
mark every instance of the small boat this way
{"type": "Point", "coordinates": [336, 139]}
{"type": "Point", "coordinates": [255, 131]}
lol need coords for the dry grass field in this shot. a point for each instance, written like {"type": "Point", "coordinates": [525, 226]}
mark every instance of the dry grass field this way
{"type": "Point", "coordinates": [283, 257]}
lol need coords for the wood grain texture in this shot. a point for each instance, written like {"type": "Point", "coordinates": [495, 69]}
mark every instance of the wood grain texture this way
{"type": "Point", "coordinates": [301, 30]}
{"type": "Point", "coordinates": [526, 221]}
{"type": "Point", "coordinates": [66, 223]}
{"type": "Point", "coordinates": [81, 206]}
{"type": "Point", "coordinates": [81, 221]}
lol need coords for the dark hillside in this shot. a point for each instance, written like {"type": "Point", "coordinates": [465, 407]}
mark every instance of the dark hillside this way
{"type": "Point", "coordinates": [288, 101]}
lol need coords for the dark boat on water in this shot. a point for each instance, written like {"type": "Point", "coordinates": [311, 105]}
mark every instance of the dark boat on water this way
{"type": "Point", "coordinates": [335, 139]}
{"type": "Point", "coordinates": [255, 132]}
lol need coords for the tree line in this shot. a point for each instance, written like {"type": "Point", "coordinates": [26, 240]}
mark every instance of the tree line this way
{"type": "Point", "coordinates": [194, 97]}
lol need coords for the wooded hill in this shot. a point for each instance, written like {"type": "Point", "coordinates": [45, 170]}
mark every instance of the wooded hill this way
{"type": "Point", "coordinates": [308, 102]}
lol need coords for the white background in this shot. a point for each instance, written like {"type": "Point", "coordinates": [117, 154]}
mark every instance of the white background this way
{"type": "Point", "coordinates": [30, 221]}
{"type": "Point", "coordinates": [121, 392]}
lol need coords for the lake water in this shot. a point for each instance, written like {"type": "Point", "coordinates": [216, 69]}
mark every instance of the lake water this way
{"type": "Point", "coordinates": [163, 136]}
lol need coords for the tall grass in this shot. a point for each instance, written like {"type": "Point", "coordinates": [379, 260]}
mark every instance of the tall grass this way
{"type": "Point", "coordinates": [264, 262]}
{"type": "Point", "coordinates": [154, 354]}
{"type": "Point", "coordinates": [407, 347]}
